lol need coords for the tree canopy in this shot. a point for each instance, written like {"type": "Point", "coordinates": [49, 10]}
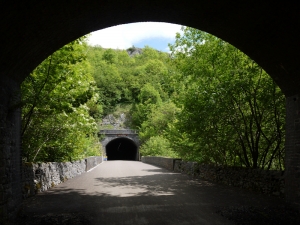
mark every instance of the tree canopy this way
{"type": "Point", "coordinates": [206, 101]}
{"type": "Point", "coordinates": [232, 111]}
{"type": "Point", "coordinates": [56, 123]}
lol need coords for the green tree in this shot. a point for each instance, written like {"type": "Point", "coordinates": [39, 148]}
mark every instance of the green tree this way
{"type": "Point", "coordinates": [56, 124]}
{"type": "Point", "coordinates": [157, 120]}
{"type": "Point", "coordinates": [148, 98]}
{"type": "Point", "coordinates": [121, 77]}
{"type": "Point", "coordinates": [233, 113]}
{"type": "Point", "coordinates": [157, 146]}
{"type": "Point", "coordinates": [110, 56]}
{"type": "Point", "coordinates": [152, 131]}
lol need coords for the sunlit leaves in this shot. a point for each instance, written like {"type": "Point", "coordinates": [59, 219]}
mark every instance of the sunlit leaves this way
{"type": "Point", "coordinates": [120, 77]}
{"type": "Point", "coordinates": [56, 123]}
{"type": "Point", "coordinates": [232, 110]}
{"type": "Point", "coordinates": [157, 146]}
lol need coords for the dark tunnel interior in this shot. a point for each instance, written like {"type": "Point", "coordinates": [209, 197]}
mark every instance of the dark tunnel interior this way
{"type": "Point", "coordinates": [121, 149]}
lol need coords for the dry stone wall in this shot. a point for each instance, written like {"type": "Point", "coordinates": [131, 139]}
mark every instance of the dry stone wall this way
{"type": "Point", "coordinates": [39, 177]}
{"type": "Point", "coordinates": [262, 181]}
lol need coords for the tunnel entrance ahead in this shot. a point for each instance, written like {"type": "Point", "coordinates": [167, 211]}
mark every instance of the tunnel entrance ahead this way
{"type": "Point", "coordinates": [121, 149]}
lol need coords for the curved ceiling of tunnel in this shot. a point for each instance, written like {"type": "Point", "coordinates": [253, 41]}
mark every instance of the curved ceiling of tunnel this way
{"type": "Point", "coordinates": [268, 33]}
{"type": "Point", "coordinates": [121, 149]}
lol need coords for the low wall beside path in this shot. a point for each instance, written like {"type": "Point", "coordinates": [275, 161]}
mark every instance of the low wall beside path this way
{"type": "Point", "coordinates": [167, 163]}
{"type": "Point", "coordinates": [39, 177]}
{"type": "Point", "coordinates": [92, 161]}
{"type": "Point", "coordinates": [268, 182]}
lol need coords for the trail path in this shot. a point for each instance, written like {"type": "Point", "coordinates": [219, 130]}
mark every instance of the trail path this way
{"type": "Point", "coordinates": [131, 192]}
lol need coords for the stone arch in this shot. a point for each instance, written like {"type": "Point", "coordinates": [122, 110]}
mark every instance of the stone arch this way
{"type": "Point", "coordinates": [31, 31]}
{"type": "Point", "coordinates": [37, 31]}
{"type": "Point", "coordinates": [107, 139]}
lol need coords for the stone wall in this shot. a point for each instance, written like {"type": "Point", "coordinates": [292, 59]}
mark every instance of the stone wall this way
{"type": "Point", "coordinates": [92, 161]}
{"type": "Point", "coordinates": [10, 160]}
{"type": "Point", "coordinates": [167, 163]}
{"type": "Point", "coordinates": [39, 177]}
{"type": "Point", "coordinates": [262, 181]}
{"type": "Point", "coordinates": [292, 150]}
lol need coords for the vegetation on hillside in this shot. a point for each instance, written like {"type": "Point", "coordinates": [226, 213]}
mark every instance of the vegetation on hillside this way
{"type": "Point", "coordinates": [232, 111]}
{"type": "Point", "coordinates": [206, 102]}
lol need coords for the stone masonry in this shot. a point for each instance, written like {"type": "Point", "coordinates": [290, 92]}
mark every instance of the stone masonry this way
{"type": "Point", "coordinates": [262, 181]}
{"type": "Point", "coordinates": [292, 150]}
{"type": "Point", "coordinates": [10, 159]}
{"type": "Point", "coordinates": [39, 177]}
{"type": "Point", "coordinates": [110, 135]}
{"type": "Point", "coordinates": [167, 163]}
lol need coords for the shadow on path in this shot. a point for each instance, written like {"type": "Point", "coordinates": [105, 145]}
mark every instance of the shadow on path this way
{"type": "Point", "coordinates": [155, 197]}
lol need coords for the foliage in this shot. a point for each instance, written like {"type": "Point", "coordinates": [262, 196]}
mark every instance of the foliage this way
{"type": "Point", "coordinates": [152, 131]}
{"type": "Point", "coordinates": [56, 120]}
{"type": "Point", "coordinates": [157, 120]}
{"type": "Point", "coordinates": [157, 146]}
{"type": "Point", "coordinates": [140, 81]}
{"type": "Point", "coordinates": [120, 77]}
{"type": "Point", "coordinates": [207, 102]}
{"type": "Point", "coordinates": [233, 113]}
{"type": "Point", "coordinates": [148, 98]}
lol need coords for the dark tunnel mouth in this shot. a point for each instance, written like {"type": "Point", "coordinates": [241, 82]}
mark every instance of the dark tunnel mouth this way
{"type": "Point", "coordinates": [121, 149]}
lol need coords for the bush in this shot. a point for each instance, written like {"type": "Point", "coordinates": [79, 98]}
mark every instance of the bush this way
{"type": "Point", "coordinates": [157, 146]}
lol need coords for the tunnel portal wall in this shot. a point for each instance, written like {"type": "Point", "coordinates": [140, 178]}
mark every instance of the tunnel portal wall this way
{"type": "Point", "coordinates": [109, 138]}
{"type": "Point", "coordinates": [131, 137]}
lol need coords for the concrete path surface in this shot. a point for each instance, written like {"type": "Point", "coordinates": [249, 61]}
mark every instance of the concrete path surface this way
{"type": "Point", "coordinates": [131, 192]}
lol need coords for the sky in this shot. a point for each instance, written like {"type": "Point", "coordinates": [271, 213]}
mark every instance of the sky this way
{"type": "Point", "coordinates": [155, 35]}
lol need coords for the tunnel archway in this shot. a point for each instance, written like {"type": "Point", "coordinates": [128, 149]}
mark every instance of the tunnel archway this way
{"type": "Point", "coordinates": [270, 37]}
{"type": "Point", "coordinates": [121, 149]}
{"type": "Point", "coordinates": [268, 33]}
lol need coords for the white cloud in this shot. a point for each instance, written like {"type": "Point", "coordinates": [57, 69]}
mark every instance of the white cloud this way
{"type": "Point", "coordinates": [124, 36]}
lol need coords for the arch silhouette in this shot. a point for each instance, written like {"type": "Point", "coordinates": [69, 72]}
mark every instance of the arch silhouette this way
{"type": "Point", "coordinates": [32, 30]}
{"type": "Point", "coordinates": [262, 31]}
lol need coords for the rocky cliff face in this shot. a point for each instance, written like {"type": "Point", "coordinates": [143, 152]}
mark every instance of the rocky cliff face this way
{"type": "Point", "coordinates": [134, 51]}
{"type": "Point", "coordinates": [112, 122]}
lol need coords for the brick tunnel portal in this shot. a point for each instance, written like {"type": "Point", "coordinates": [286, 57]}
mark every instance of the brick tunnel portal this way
{"type": "Point", "coordinates": [121, 149]}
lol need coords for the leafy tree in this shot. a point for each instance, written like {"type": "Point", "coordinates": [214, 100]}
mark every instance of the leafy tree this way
{"type": "Point", "coordinates": [141, 80]}
{"type": "Point", "coordinates": [157, 146]}
{"type": "Point", "coordinates": [157, 120]}
{"type": "Point", "coordinates": [121, 77]}
{"type": "Point", "coordinates": [152, 131]}
{"type": "Point", "coordinates": [56, 124]}
{"type": "Point", "coordinates": [148, 98]}
{"type": "Point", "coordinates": [107, 67]}
{"type": "Point", "coordinates": [110, 56]}
{"type": "Point", "coordinates": [233, 113]}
